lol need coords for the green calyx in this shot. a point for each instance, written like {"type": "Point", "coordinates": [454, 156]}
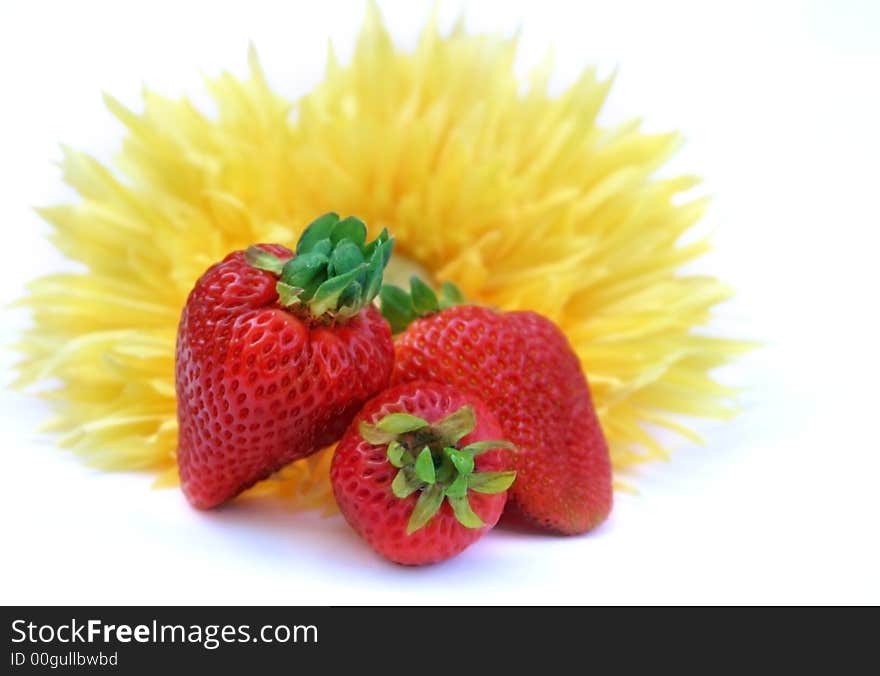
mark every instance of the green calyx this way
{"type": "Point", "coordinates": [401, 308]}
{"type": "Point", "coordinates": [430, 462]}
{"type": "Point", "coordinates": [335, 272]}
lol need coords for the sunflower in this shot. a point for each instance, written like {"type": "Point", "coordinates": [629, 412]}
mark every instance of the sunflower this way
{"type": "Point", "coordinates": [518, 196]}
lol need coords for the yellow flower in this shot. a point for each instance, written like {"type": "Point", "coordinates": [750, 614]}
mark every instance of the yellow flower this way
{"type": "Point", "coordinates": [519, 197]}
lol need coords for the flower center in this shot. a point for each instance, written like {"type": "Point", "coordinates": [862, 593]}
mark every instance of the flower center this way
{"type": "Point", "coordinates": [401, 268]}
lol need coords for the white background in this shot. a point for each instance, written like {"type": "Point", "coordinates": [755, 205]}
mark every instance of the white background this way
{"type": "Point", "coordinates": [779, 103]}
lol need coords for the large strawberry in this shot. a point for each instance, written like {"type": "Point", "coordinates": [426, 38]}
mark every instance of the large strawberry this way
{"type": "Point", "coordinates": [275, 355]}
{"type": "Point", "coordinates": [421, 472]}
{"type": "Point", "coordinates": [521, 365]}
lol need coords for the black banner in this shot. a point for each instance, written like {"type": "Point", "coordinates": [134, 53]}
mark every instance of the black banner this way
{"type": "Point", "coordinates": [396, 639]}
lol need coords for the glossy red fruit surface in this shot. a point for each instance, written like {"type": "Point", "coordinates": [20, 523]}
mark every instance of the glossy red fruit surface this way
{"type": "Point", "coordinates": [258, 386]}
{"type": "Point", "coordinates": [521, 365]}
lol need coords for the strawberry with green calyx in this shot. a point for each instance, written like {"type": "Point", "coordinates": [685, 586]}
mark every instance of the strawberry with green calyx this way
{"type": "Point", "coordinates": [522, 366]}
{"type": "Point", "coordinates": [276, 352]}
{"type": "Point", "coordinates": [430, 462]}
{"type": "Point", "coordinates": [421, 473]}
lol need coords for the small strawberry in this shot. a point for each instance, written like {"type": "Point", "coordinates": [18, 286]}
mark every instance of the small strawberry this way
{"type": "Point", "coordinates": [275, 355]}
{"type": "Point", "coordinates": [421, 473]}
{"type": "Point", "coordinates": [521, 365]}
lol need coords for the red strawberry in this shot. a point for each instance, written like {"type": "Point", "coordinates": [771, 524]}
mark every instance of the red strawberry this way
{"type": "Point", "coordinates": [421, 474]}
{"type": "Point", "coordinates": [276, 354]}
{"type": "Point", "coordinates": [521, 365]}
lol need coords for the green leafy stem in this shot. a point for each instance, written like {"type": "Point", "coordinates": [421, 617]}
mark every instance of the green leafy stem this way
{"type": "Point", "coordinates": [429, 461]}
{"type": "Point", "coordinates": [335, 272]}
{"type": "Point", "coordinates": [401, 308]}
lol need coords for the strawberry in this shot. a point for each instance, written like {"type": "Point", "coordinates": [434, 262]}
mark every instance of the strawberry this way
{"type": "Point", "coordinates": [521, 365]}
{"type": "Point", "coordinates": [276, 353]}
{"type": "Point", "coordinates": [421, 473]}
